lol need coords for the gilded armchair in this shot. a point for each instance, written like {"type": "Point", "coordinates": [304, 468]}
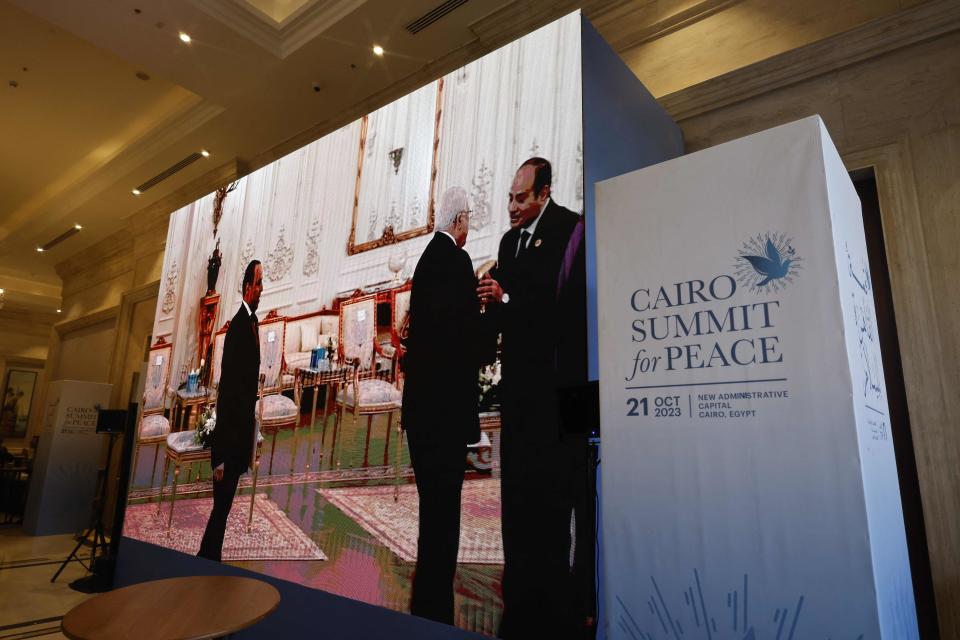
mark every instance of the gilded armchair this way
{"type": "Point", "coordinates": [154, 425]}
{"type": "Point", "coordinates": [399, 324]}
{"type": "Point", "coordinates": [182, 448]}
{"type": "Point", "coordinates": [364, 394]}
{"type": "Point", "coordinates": [278, 411]}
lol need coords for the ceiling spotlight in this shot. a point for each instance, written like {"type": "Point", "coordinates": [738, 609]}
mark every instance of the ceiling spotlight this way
{"type": "Point", "coordinates": [39, 249]}
{"type": "Point", "coordinates": [185, 38]}
{"type": "Point", "coordinates": [135, 192]}
{"type": "Point", "coordinates": [77, 227]}
{"type": "Point", "coordinates": [205, 153]}
{"type": "Point", "coordinates": [377, 50]}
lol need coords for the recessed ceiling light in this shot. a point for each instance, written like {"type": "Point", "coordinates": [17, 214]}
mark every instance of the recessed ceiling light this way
{"type": "Point", "coordinates": [2, 292]}
{"type": "Point", "coordinates": [185, 38]}
{"type": "Point", "coordinates": [77, 227]}
{"type": "Point", "coordinates": [205, 153]}
{"type": "Point", "coordinates": [135, 192]}
{"type": "Point", "coordinates": [39, 249]}
{"type": "Point", "coordinates": [377, 50]}
{"type": "Point", "coordinates": [58, 310]}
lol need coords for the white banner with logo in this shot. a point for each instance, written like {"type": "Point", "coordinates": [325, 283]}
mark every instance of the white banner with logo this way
{"type": "Point", "coordinates": [749, 480]}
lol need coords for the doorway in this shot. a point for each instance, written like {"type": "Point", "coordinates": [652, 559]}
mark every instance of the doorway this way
{"type": "Point", "coordinates": [865, 182]}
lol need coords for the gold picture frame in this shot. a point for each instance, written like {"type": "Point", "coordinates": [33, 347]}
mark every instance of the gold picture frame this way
{"type": "Point", "coordinates": [389, 235]}
{"type": "Point", "coordinates": [15, 402]}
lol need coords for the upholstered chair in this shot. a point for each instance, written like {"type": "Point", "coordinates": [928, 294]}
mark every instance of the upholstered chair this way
{"type": "Point", "coordinates": [278, 411]}
{"type": "Point", "coordinates": [182, 449]}
{"type": "Point", "coordinates": [364, 394]}
{"type": "Point", "coordinates": [302, 335]}
{"type": "Point", "coordinates": [399, 319]}
{"type": "Point", "coordinates": [154, 425]}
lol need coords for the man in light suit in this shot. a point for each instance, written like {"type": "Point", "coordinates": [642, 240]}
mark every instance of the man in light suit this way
{"type": "Point", "coordinates": [231, 450]}
{"type": "Point", "coordinates": [538, 462]}
{"type": "Point", "coordinates": [440, 400]}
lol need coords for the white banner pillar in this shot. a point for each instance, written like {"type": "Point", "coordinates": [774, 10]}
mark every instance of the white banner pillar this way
{"type": "Point", "coordinates": [750, 486]}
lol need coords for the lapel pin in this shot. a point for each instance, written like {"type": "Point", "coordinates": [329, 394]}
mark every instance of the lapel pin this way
{"type": "Point", "coordinates": [538, 242]}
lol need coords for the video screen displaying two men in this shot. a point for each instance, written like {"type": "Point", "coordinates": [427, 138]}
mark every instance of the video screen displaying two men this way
{"type": "Point", "coordinates": [357, 349]}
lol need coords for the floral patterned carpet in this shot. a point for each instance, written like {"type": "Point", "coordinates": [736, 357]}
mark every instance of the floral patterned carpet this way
{"type": "Point", "coordinates": [395, 523]}
{"type": "Point", "coordinates": [272, 537]}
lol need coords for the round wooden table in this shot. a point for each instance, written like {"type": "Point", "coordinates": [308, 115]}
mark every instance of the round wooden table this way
{"type": "Point", "coordinates": [191, 608]}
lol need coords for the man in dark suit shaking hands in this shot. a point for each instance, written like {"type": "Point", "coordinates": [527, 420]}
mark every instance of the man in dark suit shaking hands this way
{"type": "Point", "coordinates": [440, 400]}
{"type": "Point", "coordinates": [537, 461]}
{"type": "Point", "coordinates": [232, 446]}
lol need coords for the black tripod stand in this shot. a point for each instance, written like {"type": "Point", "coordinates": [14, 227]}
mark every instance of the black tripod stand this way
{"type": "Point", "coordinates": [99, 541]}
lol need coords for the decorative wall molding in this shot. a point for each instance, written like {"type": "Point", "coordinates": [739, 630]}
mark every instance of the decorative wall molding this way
{"type": "Point", "coordinates": [523, 16]}
{"type": "Point", "coordinates": [633, 32]}
{"type": "Point", "coordinates": [170, 290]}
{"type": "Point", "coordinates": [480, 197]}
{"type": "Point", "coordinates": [247, 254]}
{"type": "Point", "coordinates": [280, 259]}
{"type": "Point", "coordinates": [91, 319]}
{"type": "Point", "coordinates": [311, 264]}
{"type": "Point", "coordinates": [279, 38]}
{"type": "Point", "coordinates": [883, 35]}
{"type": "Point", "coordinates": [416, 208]}
{"type": "Point", "coordinates": [108, 259]}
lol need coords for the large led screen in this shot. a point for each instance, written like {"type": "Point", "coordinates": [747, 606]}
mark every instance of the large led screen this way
{"type": "Point", "coordinates": [339, 228]}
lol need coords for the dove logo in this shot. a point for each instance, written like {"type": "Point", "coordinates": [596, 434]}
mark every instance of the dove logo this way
{"type": "Point", "coordinates": [767, 262]}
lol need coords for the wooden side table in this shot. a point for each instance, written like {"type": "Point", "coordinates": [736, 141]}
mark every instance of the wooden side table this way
{"type": "Point", "coordinates": [183, 403]}
{"type": "Point", "coordinates": [191, 608]}
{"type": "Point", "coordinates": [331, 379]}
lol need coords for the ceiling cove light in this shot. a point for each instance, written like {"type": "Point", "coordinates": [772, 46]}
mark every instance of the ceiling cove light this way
{"type": "Point", "coordinates": [377, 50]}
{"type": "Point", "coordinates": [184, 38]}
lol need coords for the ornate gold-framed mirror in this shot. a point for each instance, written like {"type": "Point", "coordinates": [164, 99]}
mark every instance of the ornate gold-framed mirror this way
{"type": "Point", "coordinates": [397, 171]}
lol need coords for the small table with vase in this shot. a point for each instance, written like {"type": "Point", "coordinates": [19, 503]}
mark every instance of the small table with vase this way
{"type": "Point", "coordinates": [325, 372]}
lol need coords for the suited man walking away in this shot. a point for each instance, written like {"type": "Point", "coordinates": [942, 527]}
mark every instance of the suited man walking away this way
{"type": "Point", "coordinates": [539, 465]}
{"type": "Point", "coordinates": [231, 450]}
{"type": "Point", "coordinates": [440, 398]}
